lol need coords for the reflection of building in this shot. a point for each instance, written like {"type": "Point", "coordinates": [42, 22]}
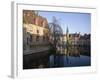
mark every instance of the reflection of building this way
{"type": "Point", "coordinates": [76, 43]}
{"type": "Point", "coordinates": [35, 32]}
{"type": "Point", "coordinates": [71, 42]}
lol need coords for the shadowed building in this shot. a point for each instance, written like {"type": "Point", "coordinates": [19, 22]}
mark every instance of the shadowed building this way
{"type": "Point", "coordinates": [72, 42]}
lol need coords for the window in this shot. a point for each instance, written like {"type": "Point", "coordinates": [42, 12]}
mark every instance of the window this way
{"type": "Point", "coordinates": [37, 38]}
{"type": "Point", "coordinates": [30, 38]}
{"type": "Point", "coordinates": [43, 38]}
{"type": "Point", "coordinates": [37, 31]}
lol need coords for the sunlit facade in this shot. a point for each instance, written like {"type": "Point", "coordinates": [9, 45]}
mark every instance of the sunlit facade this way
{"type": "Point", "coordinates": [35, 32]}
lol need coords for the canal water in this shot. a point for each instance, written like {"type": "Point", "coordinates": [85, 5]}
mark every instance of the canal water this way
{"type": "Point", "coordinates": [68, 61]}
{"type": "Point", "coordinates": [74, 57]}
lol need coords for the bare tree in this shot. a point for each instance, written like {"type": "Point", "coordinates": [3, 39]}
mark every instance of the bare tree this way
{"type": "Point", "coordinates": [56, 33]}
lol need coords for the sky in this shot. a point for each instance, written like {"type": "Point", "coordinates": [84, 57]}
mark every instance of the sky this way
{"type": "Point", "coordinates": [76, 22]}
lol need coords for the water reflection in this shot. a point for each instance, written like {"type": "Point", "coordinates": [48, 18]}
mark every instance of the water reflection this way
{"type": "Point", "coordinates": [70, 57]}
{"type": "Point", "coordinates": [69, 61]}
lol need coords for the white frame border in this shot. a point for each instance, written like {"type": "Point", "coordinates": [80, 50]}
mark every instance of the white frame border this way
{"type": "Point", "coordinates": [17, 71]}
